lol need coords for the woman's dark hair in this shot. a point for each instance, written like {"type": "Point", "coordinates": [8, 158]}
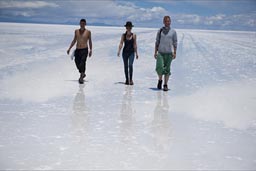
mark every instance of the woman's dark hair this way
{"type": "Point", "coordinates": [83, 20]}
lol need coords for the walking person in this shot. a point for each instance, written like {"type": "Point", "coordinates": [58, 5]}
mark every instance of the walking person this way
{"type": "Point", "coordinates": [165, 52]}
{"type": "Point", "coordinates": [81, 38]}
{"type": "Point", "coordinates": [130, 47]}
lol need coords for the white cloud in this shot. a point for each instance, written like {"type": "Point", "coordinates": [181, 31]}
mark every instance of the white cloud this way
{"type": "Point", "coordinates": [26, 4]}
{"type": "Point", "coordinates": [117, 12]}
{"type": "Point", "coordinates": [188, 19]}
{"type": "Point", "coordinates": [244, 19]}
{"type": "Point", "coordinates": [114, 11]}
{"type": "Point", "coordinates": [180, 21]}
{"type": "Point", "coordinates": [251, 22]}
{"type": "Point", "coordinates": [218, 20]}
{"type": "Point", "coordinates": [199, 20]}
{"type": "Point", "coordinates": [24, 13]}
{"type": "Point", "coordinates": [157, 9]}
{"type": "Point", "coordinates": [147, 14]}
{"type": "Point", "coordinates": [227, 23]}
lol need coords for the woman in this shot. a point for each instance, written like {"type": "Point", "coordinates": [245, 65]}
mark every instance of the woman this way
{"type": "Point", "coordinates": [130, 47]}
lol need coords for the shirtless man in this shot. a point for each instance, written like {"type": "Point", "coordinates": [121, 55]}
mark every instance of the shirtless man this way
{"type": "Point", "coordinates": [81, 38]}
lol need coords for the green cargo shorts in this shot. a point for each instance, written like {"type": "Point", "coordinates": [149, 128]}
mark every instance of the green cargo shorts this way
{"type": "Point", "coordinates": [163, 64]}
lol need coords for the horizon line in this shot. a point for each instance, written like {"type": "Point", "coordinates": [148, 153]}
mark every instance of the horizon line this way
{"type": "Point", "coordinates": [105, 25]}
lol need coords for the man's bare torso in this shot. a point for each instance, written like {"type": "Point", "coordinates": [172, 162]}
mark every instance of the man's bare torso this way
{"type": "Point", "coordinates": [82, 37]}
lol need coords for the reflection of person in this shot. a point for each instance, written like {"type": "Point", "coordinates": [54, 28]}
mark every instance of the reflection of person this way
{"type": "Point", "coordinates": [127, 111]}
{"type": "Point", "coordinates": [165, 51]}
{"type": "Point", "coordinates": [80, 111]}
{"type": "Point", "coordinates": [130, 46]}
{"type": "Point", "coordinates": [161, 123]}
{"type": "Point", "coordinates": [81, 38]}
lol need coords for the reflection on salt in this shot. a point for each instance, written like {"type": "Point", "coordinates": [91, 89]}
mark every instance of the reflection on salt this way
{"type": "Point", "coordinates": [221, 103]}
{"type": "Point", "coordinates": [161, 124]}
{"type": "Point", "coordinates": [39, 83]}
{"type": "Point", "coordinates": [126, 115]}
{"type": "Point", "coordinates": [206, 122]}
{"type": "Point", "coordinates": [80, 114]}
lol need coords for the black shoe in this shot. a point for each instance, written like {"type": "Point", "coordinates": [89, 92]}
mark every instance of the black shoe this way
{"type": "Point", "coordinates": [131, 82]}
{"type": "Point", "coordinates": [159, 85]}
{"type": "Point", "coordinates": [126, 82]}
{"type": "Point", "coordinates": [81, 81]}
{"type": "Point", "coordinates": [165, 87]}
{"type": "Point", "coordinates": [83, 75]}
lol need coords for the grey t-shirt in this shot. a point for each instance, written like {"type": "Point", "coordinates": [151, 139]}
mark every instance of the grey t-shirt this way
{"type": "Point", "coordinates": [166, 42]}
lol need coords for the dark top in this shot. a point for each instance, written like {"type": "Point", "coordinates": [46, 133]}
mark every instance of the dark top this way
{"type": "Point", "coordinates": [128, 45]}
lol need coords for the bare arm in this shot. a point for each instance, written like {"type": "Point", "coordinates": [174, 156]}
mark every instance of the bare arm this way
{"type": "Point", "coordinates": [156, 50]}
{"type": "Point", "coordinates": [175, 44]}
{"type": "Point", "coordinates": [90, 44]}
{"type": "Point", "coordinates": [72, 43]}
{"type": "Point", "coordinates": [157, 43]}
{"type": "Point", "coordinates": [120, 45]}
{"type": "Point", "coordinates": [174, 53]}
{"type": "Point", "coordinates": [135, 46]}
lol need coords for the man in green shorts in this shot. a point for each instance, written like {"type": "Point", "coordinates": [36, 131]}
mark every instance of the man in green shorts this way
{"type": "Point", "coordinates": [165, 52]}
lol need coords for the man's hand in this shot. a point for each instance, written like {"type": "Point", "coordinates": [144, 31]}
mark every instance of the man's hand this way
{"type": "Point", "coordinates": [155, 55]}
{"type": "Point", "coordinates": [173, 55]}
{"type": "Point", "coordinates": [68, 51]}
{"type": "Point", "coordinates": [90, 53]}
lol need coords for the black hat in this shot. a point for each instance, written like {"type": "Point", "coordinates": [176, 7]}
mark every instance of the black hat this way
{"type": "Point", "coordinates": [128, 24]}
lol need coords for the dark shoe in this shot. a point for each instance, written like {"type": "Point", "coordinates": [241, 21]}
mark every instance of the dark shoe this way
{"type": "Point", "coordinates": [159, 85]}
{"type": "Point", "coordinates": [131, 82]}
{"type": "Point", "coordinates": [81, 81]}
{"type": "Point", "coordinates": [165, 88]}
{"type": "Point", "coordinates": [126, 82]}
{"type": "Point", "coordinates": [83, 75]}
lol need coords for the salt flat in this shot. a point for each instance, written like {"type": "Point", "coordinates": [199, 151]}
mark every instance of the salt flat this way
{"type": "Point", "coordinates": [48, 121]}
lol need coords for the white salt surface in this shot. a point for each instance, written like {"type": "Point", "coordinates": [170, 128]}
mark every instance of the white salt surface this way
{"type": "Point", "coordinates": [48, 121]}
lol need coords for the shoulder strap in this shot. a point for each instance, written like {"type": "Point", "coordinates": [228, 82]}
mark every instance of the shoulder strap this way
{"type": "Point", "coordinates": [160, 34]}
{"type": "Point", "coordinates": [125, 36]}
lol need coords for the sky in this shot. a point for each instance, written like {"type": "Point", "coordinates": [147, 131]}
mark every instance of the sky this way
{"type": "Point", "coordinates": [196, 14]}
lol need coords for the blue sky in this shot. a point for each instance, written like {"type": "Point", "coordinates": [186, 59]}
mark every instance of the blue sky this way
{"type": "Point", "coordinates": [196, 14]}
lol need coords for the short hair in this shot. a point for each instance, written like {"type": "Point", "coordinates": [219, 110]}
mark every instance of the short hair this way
{"type": "Point", "coordinates": [166, 17]}
{"type": "Point", "coordinates": [83, 20]}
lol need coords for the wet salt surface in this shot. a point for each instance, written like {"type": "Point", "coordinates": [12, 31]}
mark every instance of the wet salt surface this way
{"type": "Point", "coordinates": [48, 121]}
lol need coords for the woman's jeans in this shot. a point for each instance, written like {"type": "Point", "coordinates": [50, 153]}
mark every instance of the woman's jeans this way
{"type": "Point", "coordinates": [128, 66]}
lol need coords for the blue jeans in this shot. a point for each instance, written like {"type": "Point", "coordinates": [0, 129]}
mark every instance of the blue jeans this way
{"type": "Point", "coordinates": [128, 66]}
